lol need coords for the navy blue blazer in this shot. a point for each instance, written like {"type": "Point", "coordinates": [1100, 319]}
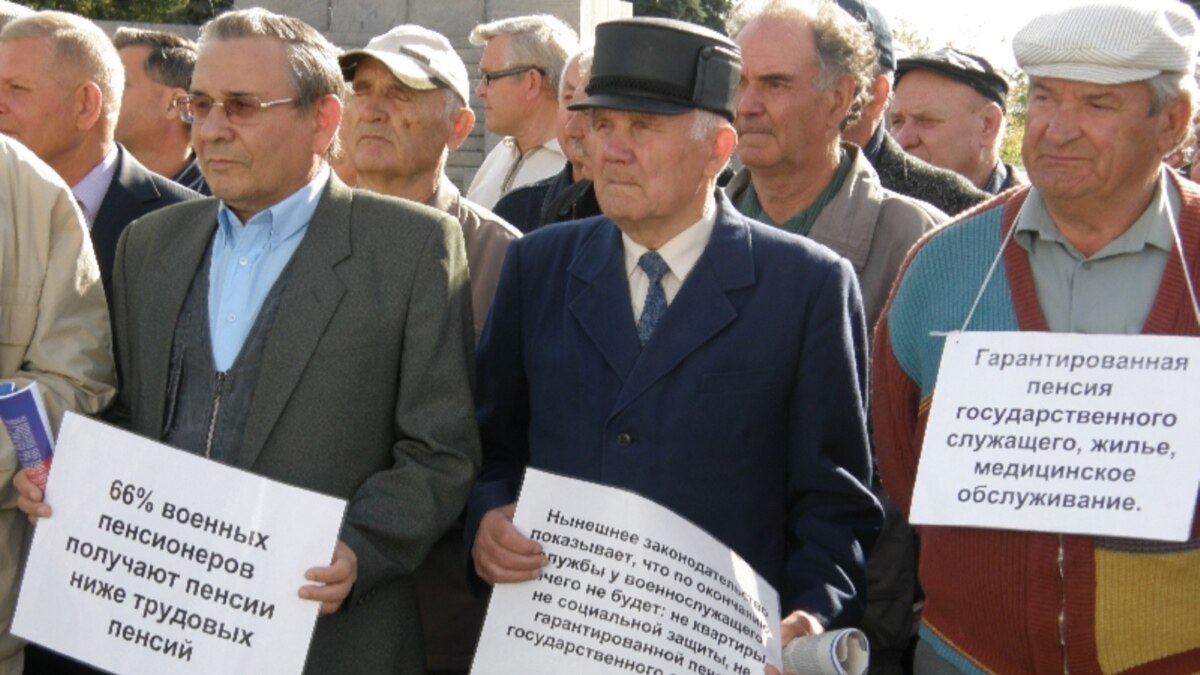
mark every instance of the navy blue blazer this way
{"type": "Point", "coordinates": [134, 192]}
{"type": "Point", "coordinates": [745, 412]}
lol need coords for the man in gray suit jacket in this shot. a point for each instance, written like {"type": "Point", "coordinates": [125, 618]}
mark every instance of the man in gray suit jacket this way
{"type": "Point", "coordinates": [305, 331]}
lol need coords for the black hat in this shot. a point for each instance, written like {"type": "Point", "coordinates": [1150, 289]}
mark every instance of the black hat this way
{"type": "Point", "coordinates": [969, 69]}
{"type": "Point", "coordinates": [663, 66]}
{"type": "Point", "coordinates": [864, 11]}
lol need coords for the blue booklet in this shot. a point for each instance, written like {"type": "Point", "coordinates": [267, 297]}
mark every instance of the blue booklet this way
{"type": "Point", "coordinates": [24, 418]}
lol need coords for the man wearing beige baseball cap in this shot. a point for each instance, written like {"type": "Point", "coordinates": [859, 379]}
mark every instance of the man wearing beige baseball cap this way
{"type": "Point", "coordinates": [1105, 241]}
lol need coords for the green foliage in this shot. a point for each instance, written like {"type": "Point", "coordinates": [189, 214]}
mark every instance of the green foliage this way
{"type": "Point", "coordinates": [1018, 113]}
{"type": "Point", "coordinates": [709, 13]}
{"type": "Point", "coordinates": [146, 11]}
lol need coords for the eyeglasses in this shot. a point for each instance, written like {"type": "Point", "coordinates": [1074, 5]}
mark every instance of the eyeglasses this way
{"type": "Point", "coordinates": [238, 109]}
{"type": "Point", "coordinates": [488, 78]}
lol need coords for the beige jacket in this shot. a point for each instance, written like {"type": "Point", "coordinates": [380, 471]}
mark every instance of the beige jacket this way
{"type": "Point", "coordinates": [54, 329]}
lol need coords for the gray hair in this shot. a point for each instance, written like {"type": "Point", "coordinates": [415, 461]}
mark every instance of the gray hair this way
{"type": "Point", "coordinates": [78, 45]}
{"type": "Point", "coordinates": [844, 46]}
{"type": "Point", "coordinates": [584, 59]}
{"type": "Point", "coordinates": [1168, 87]}
{"type": "Point", "coordinates": [10, 11]}
{"type": "Point", "coordinates": [537, 40]}
{"type": "Point", "coordinates": [313, 69]}
{"type": "Point", "coordinates": [172, 57]}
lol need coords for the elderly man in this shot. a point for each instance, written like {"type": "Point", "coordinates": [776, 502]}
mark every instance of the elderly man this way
{"type": "Point", "coordinates": [709, 344]}
{"type": "Point", "coordinates": [567, 195]}
{"type": "Point", "coordinates": [158, 68]}
{"type": "Point", "coordinates": [258, 327]}
{"type": "Point", "coordinates": [949, 110]}
{"type": "Point", "coordinates": [804, 78]}
{"type": "Point", "coordinates": [899, 171]}
{"type": "Point", "coordinates": [407, 111]}
{"type": "Point", "coordinates": [60, 93]}
{"type": "Point", "coordinates": [523, 59]}
{"type": "Point", "coordinates": [55, 332]}
{"type": "Point", "coordinates": [1089, 248]}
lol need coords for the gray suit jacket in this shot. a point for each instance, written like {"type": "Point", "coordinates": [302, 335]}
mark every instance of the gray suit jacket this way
{"type": "Point", "coordinates": [364, 391]}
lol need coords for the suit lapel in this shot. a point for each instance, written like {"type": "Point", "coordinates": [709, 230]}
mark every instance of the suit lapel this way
{"type": "Point", "coordinates": [602, 307]}
{"type": "Point", "coordinates": [181, 258]}
{"type": "Point", "coordinates": [702, 307]}
{"type": "Point", "coordinates": [309, 301]}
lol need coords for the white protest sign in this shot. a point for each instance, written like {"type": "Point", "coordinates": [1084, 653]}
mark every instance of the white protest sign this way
{"type": "Point", "coordinates": [631, 587]}
{"type": "Point", "coordinates": [158, 561]}
{"type": "Point", "coordinates": [1061, 432]}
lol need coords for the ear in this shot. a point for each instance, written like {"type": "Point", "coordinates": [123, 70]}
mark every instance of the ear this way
{"type": "Point", "coordinates": [89, 105]}
{"type": "Point", "coordinates": [536, 85]}
{"type": "Point", "coordinates": [461, 125]}
{"type": "Point", "coordinates": [993, 121]}
{"type": "Point", "coordinates": [327, 115]}
{"type": "Point", "coordinates": [168, 102]}
{"type": "Point", "coordinates": [723, 143]}
{"type": "Point", "coordinates": [841, 95]}
{"type": "Point", "coordinates": [1176, 119]}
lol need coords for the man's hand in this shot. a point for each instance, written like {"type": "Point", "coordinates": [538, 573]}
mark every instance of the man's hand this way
{"type": "Point", "coordinates": [30, 497]}
{"type": "Point", "coordinates": [501, 553]}
{"type": "Point", "coordinates": [797, 624]}
{"type": "Point", "coordinates": [334, 581]}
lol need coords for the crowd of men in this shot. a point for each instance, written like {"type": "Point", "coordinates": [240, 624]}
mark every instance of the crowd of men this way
{"type": "Point", "coordinates": [715, 270]}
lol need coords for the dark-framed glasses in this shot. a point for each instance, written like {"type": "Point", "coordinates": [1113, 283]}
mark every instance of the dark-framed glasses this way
{"type": "Point", "coordinates": [242, 109]}
{"type": "Point", "coordinates": [488, 78]}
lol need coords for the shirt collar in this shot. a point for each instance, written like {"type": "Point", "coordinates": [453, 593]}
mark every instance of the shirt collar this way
{"type": "Point", "coordinates": [1154, 227]}
{"type": "Point", "coordinates": [683, 250]}
{"type": "Point", "coordinates": [90, 189]}
{"type": "Point", "coordinates": [284, 218]}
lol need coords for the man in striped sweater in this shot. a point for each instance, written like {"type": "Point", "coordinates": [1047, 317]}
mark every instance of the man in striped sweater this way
{"type": "Point", "coordinates": [1089, 248]}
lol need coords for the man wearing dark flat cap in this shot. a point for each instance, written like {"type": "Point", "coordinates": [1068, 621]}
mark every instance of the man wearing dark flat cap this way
{"type": "Point", "coordinates": [678, 349]}
{"type": "Point", "coordinates": [1105, 240]}
{"type": "Point", "coordinates": [949, 110]}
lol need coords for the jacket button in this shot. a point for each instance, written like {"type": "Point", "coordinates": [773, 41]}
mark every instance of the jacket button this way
{"type": "Point", "coordinates": [623, 440]}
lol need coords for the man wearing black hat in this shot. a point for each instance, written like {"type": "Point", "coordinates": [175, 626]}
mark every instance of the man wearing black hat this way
{"type": "Point", "coordinates": [949, 111]}
{"type": "Point", "coordinates": [678, 349]}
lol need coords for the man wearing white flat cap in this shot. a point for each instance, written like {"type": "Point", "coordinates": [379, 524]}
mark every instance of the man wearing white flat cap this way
{"type": "Point", "coordinates": [1090, 247]}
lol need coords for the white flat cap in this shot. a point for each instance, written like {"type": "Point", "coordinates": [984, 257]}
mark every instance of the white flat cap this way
{"type": "Point", "coordinates": [418, 57]}
{"type": "Point", "coordinates": [1109, 42]}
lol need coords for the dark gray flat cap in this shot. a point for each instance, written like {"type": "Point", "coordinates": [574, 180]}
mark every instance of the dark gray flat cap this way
{"type": "Point", "coordinates": [973, 71]}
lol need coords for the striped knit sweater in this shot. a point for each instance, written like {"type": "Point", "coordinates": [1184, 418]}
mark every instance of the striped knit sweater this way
{"type": "Point", "coordinates": [996, 601]}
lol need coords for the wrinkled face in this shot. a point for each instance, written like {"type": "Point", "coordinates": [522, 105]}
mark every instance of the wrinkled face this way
{"type": "Point", "coordinates": [940, 120]}
{"type": "Point", "coordinates": [569, 84]}
{"type": "Point", "coordinates": [1088, 141]}
{"type": "Point", "coordinates": [146, 104]}
{"type": "Point", "coordinates": [393, 130]}
{"type": "Point", "coordinates": [782, 117]}
{"type": "Point", "coordinates": [577, 128]}
{"type": "Point", "coordinates": [255, 164]}
{"type": "Point", "coordinates": [504, 102]}
{"type": "Point", "coordinates": [39, 103]}
{"type": "Point", "coordinates": [648, 168]}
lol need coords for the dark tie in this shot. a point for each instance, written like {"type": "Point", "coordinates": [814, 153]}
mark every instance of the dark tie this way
{"type": "Point", "coordinates": [656, 299]}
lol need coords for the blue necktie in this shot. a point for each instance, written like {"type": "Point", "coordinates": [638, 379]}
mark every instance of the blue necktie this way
{"type": "Point", "coordinates": [656, 299]}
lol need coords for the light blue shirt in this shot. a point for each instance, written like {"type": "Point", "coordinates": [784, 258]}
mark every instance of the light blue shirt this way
{"type": "Point", "coordinates": [247, 261]}
{"type": "Point", "coordinates": [1111, 291]}
{"type": "Point", "coordinates": [90, 190]}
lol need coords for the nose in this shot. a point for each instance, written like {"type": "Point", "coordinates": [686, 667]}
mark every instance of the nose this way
{"type": "Point", "coordinates": [906, 135]}
{"type": "Point", "coordinates": [748, 102]}
{"type": "Point", "coordinates": [481, 89]}
{"type": "Point", "coordinates": [213, 126]}
{"type": "Point", "coordinates": [1062, 123]}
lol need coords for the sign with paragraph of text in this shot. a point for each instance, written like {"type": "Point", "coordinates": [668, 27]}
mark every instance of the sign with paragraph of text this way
{"type": "Point", "coordinates": [1062, 432]}
{"type": "Point", "coordinates": [630, 587]}
{"type": "Point", "coordinates": [155, 560]}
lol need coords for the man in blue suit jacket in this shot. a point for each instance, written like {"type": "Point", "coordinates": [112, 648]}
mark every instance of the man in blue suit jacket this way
{"type": "Point", "coordinates": [724, 380]}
